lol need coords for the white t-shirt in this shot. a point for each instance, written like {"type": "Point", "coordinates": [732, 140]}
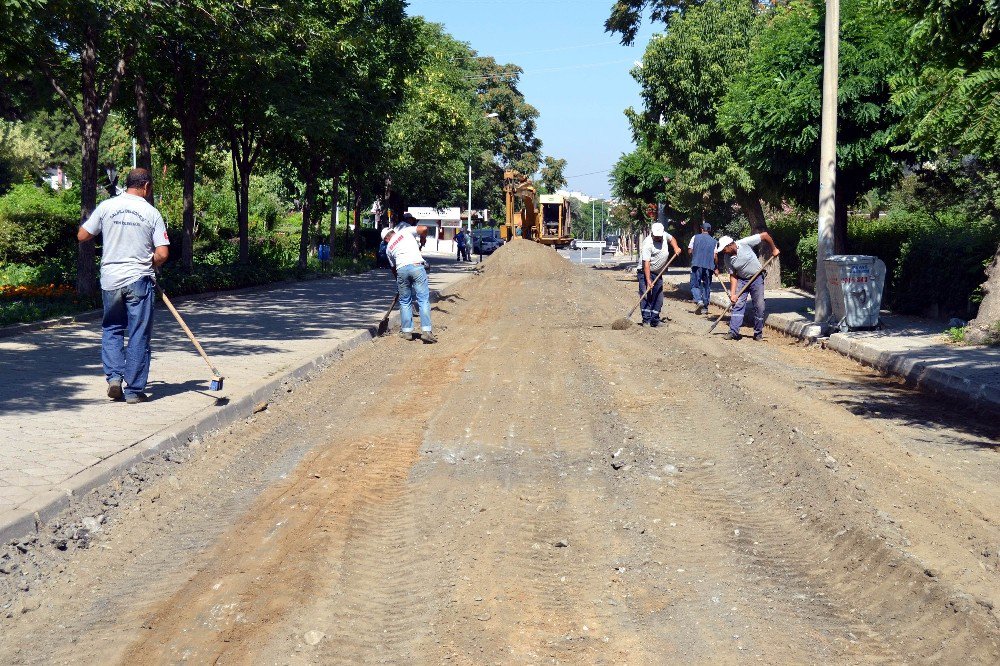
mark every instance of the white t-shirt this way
{"type": "Point", "coordinates": [404, 248]}
{"type": "Point", "coordinates": [132, 229]}
{"type": "Point", "coordinates": [657, 254]}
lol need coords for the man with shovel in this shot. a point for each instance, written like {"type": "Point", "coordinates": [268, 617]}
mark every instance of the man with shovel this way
{"type": "Point", "coordinates": [653, 256]}
{"type": "Point", "coordinates": [408, 267]}
{"type": "Point", "coordinates": [744, 268]}
{"type": "Point", "coordinates": [135, 243]}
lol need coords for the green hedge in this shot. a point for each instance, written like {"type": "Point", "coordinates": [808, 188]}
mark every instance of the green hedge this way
{"type": "Point", "coordinates": [935, 263]}
{"type": "Point", "coordinates": [35, 223]}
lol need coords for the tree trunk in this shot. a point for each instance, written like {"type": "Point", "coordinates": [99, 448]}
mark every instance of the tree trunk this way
{"type": "Point", "coordinates": [985, 328]}
{"type": "Point", "coordinates": [144, 156]}
{"type": "Point", "coordinates": [190, 150]}
{"type": "Point", "coordinates": [356, 246]}
{"type": "Point", "coordinates": [750, 203]}
{"type": "Point", "coordinates": [334, 212]}
{"type": "Point", "coordinates": [308, 204]}
{"type": "Point", "coordinates": [347, 226]}
{"type": "Point", "coordinates": [86, 270]}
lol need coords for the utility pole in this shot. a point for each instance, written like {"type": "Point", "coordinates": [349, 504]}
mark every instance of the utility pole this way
{"type": "Point", "coordinates": [470, 198]}
{"type": "Point", "coordinates": [828, 160]}
{"type": "Point", "coordinates": [593, 218]}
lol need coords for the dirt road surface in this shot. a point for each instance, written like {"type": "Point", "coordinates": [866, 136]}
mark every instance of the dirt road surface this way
{"type": "Point", "coordinates": [538, 488]}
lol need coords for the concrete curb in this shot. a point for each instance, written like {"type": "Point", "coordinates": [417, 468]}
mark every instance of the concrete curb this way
{"type": "Point", "coordinates": [917, 373]}
{"type": "Point", "coordinates": [27, 518]}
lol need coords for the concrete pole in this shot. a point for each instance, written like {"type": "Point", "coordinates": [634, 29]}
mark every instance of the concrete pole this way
{"type": "Point", "coordinates": [828, 159]}
{"type": "Point", "coordinates": [593, 219]}
{"type": "Point", "coordinates": [470, 197]}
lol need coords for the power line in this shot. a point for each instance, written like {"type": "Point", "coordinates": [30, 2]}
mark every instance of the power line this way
{"type": "Point", "coordinates": [553, 50]}
{"type": "Point", "coordinates": [581, 175]}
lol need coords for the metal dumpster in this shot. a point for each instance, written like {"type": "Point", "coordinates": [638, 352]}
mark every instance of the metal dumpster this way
{"type": "Point", "coordinates": [856, 282]}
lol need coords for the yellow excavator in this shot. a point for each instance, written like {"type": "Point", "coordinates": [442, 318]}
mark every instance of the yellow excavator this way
{"type": "Point", "coordinates": [545, 219]}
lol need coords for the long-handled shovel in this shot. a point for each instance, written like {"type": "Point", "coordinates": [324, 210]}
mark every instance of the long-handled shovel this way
{"type": "Point", "coordinates": [741, 292]}
{"type": "Point", "coordinates": [383, 326]}
{"type": "Point", "coordinates": [626, 321]}
{"type": "Point", "coordinates": [217, 379]}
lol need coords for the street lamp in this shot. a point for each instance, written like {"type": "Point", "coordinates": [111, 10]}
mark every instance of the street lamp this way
{"type": "Point", "coordinates": [488, 115]}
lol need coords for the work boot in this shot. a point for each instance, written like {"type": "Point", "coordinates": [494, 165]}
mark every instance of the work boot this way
{"type": "Point", "coordinates": [136, 398]}
{"type": "Point", "coordinates": [758, 336]}
{"type": "Point", "coordinates": [115, 388]}
{"type": "Point", "coordinates": [732, 336]}
{"type": "Point", "coordinates": [699, 310]}
{"type": "Point", "coordinates": [406, 335]}
{"type": "Point", "coordinates": [428, 337]}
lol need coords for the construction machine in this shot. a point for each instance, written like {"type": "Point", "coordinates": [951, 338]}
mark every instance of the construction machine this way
{"type": "Point", "coordinates": [544, 219]}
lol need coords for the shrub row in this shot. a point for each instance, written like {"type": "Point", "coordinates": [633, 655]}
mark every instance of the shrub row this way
{"type": "Point", "coordinates": [935, 262]}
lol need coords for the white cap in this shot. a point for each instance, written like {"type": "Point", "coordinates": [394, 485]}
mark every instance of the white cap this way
{"type": "Point", "coordinates": [724, 242]}
{"type": "Point", "coordinates": [386, 232]}
{"type": "Point", "coordinates": [657, 230]}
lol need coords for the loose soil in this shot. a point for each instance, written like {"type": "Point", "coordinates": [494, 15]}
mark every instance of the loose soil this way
{"type": "Point", "coordinates": [540, 488]}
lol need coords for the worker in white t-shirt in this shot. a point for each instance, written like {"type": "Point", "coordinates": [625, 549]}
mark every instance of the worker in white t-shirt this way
{"type": "Point", "coordinates": [135, 244]}
{"type": "Point", "coordinates": [403, 251]}
{"type": "Point", "coordinates": [653, 256]}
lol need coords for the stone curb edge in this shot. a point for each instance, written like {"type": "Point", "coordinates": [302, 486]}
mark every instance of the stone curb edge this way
{"type": "Point", "coordinates": [914, 372]}
{"type": "Point", "coordinates": [26, 518]}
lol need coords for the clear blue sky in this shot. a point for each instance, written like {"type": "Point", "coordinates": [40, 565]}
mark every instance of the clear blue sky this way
{"type": "Point", "coordinates": [575, 74]}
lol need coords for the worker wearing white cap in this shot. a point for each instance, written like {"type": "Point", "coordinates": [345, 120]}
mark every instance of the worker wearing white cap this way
{"type": "Point", "coordinates": [744, 265]}
{"type": "Point", "coordinates": [653, 256]}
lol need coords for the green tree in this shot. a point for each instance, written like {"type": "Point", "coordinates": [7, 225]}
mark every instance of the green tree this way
{"type": "Point", "coordinates": [951, 99]}
{"type": "Point", "coordinates": [684, 77]}
{"type": "Point", "coordinates": [22, 154]}
{"type": "Point", "coordinates": [772, 109]}
{"type": "Point", "coordinates": [82, 49]}
{"type": "Point", "coordinates": [627, 15]}
{"type": "Point", "coordinates": [552, 173]}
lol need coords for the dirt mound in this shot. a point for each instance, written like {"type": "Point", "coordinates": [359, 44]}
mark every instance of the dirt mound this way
{"type": "Point", "coordinates": [524, 259]}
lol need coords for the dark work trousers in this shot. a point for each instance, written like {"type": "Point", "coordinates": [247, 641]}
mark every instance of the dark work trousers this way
{"type": "Point", "coordinates": [756, 293]}
{"type": "Point", "coordinates": [653, 302]}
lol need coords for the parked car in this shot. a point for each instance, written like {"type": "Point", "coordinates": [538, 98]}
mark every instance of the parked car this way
{"type": "Point", "coordinates": [610, 245]}
{"type": "Point", "coordinates": [485, 241]}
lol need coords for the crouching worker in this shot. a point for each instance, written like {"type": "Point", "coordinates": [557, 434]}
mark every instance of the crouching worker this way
{"type": "Point", "coordinates": [135, 242]}
{"type": "Point", "coordinates": [743, 266]}
{"type": "Point", "coordinates": [653, 256]}
{"type": "Point", "coordinates": [407, 264]}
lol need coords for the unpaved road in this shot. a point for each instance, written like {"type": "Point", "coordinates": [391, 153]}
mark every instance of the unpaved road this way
{"type": "Point", "coordinates": [540, 488]}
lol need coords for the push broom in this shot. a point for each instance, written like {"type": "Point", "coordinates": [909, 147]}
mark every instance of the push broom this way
{"type": "Point", "coordinates": [626, 321]}
{"type": "Point", "coordinates": [217, 378]}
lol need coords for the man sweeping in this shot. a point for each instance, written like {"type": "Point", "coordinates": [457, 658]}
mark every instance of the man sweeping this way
{"type": "Point", "coordinates": [135, 243]}
{"type": "Point", "coordinates": [743, 267]}
{"type": "Point", "coordinates": [653, 256]}
{"type": "Point", "coordinates": [408, 266]}
{"type": "Point", "coordinates": [702, 250]}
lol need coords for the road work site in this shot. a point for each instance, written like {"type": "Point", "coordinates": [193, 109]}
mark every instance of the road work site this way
{"type": "Point", "coordinates": [540, 488]}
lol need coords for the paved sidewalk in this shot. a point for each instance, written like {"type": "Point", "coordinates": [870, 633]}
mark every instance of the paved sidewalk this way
{"type": "Point", "coordinates": [908, 347]}
{"type": "Point", "coordinates": [59, 433]}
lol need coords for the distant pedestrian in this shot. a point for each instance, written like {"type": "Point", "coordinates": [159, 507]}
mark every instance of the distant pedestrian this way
{"type": "Point", "coordinates": [135, 243]}
{"type": "Point", "coordinates": [462, 243]}
{"type": "Point", "coordinates": [409, 268]}
{"type": "Point", "coordinates": [743, 265]}
{"type": "Point", "coordinates": [702, 249]}
{"type": "Point", "coordinates": [653, 256]}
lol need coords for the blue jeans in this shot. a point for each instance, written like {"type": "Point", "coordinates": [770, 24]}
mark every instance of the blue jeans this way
{"type": "Point", "coordinates": [128, 311]}
{"type": "Point", "coordinates": [756, 293]}
{"type": "Point", "coordinates": [701, 284]}
{"type": "Point", "coordinates": [412, 283]}
{"type": "Point", "coordinates": [652, 303]}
